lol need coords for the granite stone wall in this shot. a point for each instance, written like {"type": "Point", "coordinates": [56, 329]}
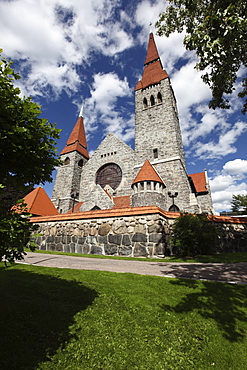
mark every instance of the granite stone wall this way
{"type": "Point", "coordinates": [143, 236]}
{"type": "Point", "coordinates": [136, 236]}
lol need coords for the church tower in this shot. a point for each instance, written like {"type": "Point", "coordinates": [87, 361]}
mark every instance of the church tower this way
{"type": "Point", "coordinates": [74, 156]}
{"type": "Point", "coordinates": [157, 132]}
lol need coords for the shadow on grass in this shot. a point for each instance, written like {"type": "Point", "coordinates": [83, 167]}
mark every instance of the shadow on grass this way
{"type": "Point", "coordinates": [224, 303]}
{"type": "Point", "coordinates": [224, 272]}
{"type": "Point", "coordinates": [36, 311]}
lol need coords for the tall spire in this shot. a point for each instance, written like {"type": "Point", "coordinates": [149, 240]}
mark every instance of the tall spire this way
{"type": "Point", "coordinates": [77, 139]}
{"type": "Point", "coordinates": [153, 71]}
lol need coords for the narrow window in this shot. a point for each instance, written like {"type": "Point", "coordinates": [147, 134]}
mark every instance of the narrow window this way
{"type": "Point", "coordinates": [152, 100]}
{"type": "Point", "coordinates": [159, 97]}
{"type": "Point", "coordinates": [148, 185]}
{"type": "Point", "coordinates": [145, 103]}
{"type": "Point", "coordinates": [80, 163]}
{"type": "Point", "coordinates": [67, 161]}
{"type": "Point", "coordinates": [142, 186]}
{"type": "Point", "coordinates": [155, 152]}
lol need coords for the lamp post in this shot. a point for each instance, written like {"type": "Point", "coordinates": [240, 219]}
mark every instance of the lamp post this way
{"type": "Point", "coordinates": [74, 196]}
{"type": "Point", "coordinates": [173, 207]}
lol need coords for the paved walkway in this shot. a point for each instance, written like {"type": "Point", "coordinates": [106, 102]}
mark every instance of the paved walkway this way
{"type": "Point", "coordinates": [223, 272]}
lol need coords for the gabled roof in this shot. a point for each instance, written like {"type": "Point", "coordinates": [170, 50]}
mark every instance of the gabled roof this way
{"type": "Point", "coordinates": [147, 173]}
{"type": "Point", "coordinates": [39, 204]}
{"type": "Point", "coordinates": [199, 181]}
{"type": "Point", "coordinates": [153, 71]}
{"type": "Point", "coordinates": [77, 139]}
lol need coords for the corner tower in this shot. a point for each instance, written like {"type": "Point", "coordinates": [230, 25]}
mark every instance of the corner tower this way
{"type": "Point", "coordinates": [74, 156]}
{"type": "Point", "coordinates": [157, 132]}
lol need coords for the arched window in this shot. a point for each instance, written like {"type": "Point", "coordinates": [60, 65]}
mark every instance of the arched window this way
{"type": "Point", "coordinates": [145, 103]}
{"type": "Point", "coordinates": [67, 161]}
{"type": "Point", "coordinates": [174, 208]}
{"type": "Point", "coordinates": [152, 100]}
{"type": "Point", "coordinates": [109, 174]}
{"type": "Point", "coordinates": [80, 163]}
{"type": "Point", "coordinates": [159, 97]}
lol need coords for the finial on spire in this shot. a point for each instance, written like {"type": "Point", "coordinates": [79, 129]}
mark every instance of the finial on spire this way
{"type": "Point", "coordinates": [150, 25]}
{"type": "Point", "coordinates": [82, 110]}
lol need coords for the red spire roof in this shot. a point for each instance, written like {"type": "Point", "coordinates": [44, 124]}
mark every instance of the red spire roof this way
{"type": "Point", "coordinates": [153, 71]}
{"type": "Point", "coordinates": [152, 52]}
{"type": "Point", "coordinates": [147, 173]}
{"type": "Point", "coordinates": [39, 204]}
{"type": "Point", "coordinates": [77, 139]}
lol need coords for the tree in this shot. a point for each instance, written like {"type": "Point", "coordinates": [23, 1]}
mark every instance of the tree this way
{"type": "Point", "coordinates": [194, 235]}
{"type": "Point", "coordinates": [15, 233]}
{"type": "Point", "coordinates": [27, 152]}
{"type": "Point", "coordinates": [239, 204]}
{"type": "Point", "coordinates": [27, 158]}
{"type": "Point", "coordinates": [216, 30]}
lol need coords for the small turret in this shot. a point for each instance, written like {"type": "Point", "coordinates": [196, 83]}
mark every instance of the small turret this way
{"type": "Point", "coordinates": [148, 188]}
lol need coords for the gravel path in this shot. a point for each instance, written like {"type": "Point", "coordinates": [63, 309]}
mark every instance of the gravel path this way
{"type": "Point", "coordinates": [222, 272]}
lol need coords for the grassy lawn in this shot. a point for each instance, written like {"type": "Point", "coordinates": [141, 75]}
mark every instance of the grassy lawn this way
{"type": "Point", "coordinates": [72, 319]}
{"type": "Point", "coordinates": [215, 258]}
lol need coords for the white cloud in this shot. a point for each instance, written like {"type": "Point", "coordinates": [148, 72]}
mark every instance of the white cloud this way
{"type": "Point", "coordinates": [54, 36]}
{"type": "Point", "coordinates": [101, 107]}
{"type": "Point", "coordinates": [229, 182]}
{"type": "Point", "coordinates": [225, 144]}
{"type": "Point", "coordinates": [236, 167]}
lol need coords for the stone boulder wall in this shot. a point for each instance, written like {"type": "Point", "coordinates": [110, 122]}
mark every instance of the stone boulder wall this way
{"type": "Point", "coordinates": [143, 236]}
{"type": "Point", "coordinates": [232, 236]}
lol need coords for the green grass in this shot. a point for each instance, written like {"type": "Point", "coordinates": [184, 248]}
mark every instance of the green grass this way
{"type": "Point", "coordinates": [73, 319]}
{"type": "Point", "coordinates": [215, 258]}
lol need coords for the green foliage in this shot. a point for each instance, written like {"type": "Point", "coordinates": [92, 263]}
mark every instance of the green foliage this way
{"type": "Point", "coordinates": [194, 235]}
{"type": "Point", "coordinates": [239, 204]}
{"type": "Point", "coordinates": [27, 156]}
{"type": "Point", "coordinates": [216, 30]}
{"type": "Point", "coordinates": [27, 152]}
{"type": "Point", "coordinates": [15, 233]}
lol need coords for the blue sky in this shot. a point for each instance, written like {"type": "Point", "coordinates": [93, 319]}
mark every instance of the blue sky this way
{"type": "Point", "coordinates": [69, 51]}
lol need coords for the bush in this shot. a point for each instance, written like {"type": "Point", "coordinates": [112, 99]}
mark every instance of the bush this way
{"type": "Point", "coordinates": [193, 235]}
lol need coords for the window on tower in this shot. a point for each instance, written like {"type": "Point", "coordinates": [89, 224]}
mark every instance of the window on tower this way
{"type": "Point", "coordinates": [159, 97]}
{"type": "Point", "coordinates": [155, 153]}
{"type": "Point", "coordinates": [67, 161]}
{"type": "Point", "coordinates": [145, 103]}
{"type": "Point", "coordinates": [152, 100]}
{"type": "Point", "coordinates": [80, 163]}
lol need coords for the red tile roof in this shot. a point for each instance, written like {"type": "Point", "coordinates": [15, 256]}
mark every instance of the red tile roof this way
{"type": "Point", "coordinates": [77, 140]}
{"type": "Point", "coordinates": [118, 212]}
{"type": "Point", "coordinates": [147, 173]}
{"type": "Point", "coordinates": [199, 181]}
{"type": "Point", "coordinates": [153, 71]}
{"type": "Point", "coordinates": [122, 202]}
{"type": "Point", "coordinates": [39, 203]}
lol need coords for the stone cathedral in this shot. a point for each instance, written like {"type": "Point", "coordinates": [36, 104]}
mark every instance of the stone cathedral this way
{"type": "Point", "coordinates": [153, 174]}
